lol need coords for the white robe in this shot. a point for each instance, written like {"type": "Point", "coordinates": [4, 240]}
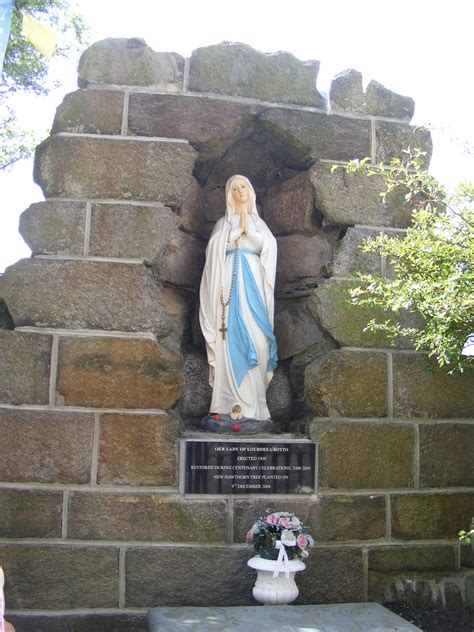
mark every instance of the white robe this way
{"type": "Point", "coordinates": [251, 394]}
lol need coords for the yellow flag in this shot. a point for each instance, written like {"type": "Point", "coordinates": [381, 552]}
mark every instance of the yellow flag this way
{"type": "Point", "coordinates": [40, 35]}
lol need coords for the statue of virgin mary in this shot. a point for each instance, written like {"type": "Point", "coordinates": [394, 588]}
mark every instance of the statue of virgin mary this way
{"type": "Point", "coordinates": [236, 309]}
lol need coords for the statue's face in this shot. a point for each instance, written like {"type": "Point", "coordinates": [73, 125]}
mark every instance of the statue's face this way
{"type": "Point", "coordinates": [240, 192]}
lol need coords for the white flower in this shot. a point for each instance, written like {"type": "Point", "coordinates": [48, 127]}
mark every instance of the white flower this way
{"type": "Point", "coordinates": [304, 554]}
{"type": "Point", "coordinates": [288, 537]}
{"type": "Point", "coordinates": [296, 521]}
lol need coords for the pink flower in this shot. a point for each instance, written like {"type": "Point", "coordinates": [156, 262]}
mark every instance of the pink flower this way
{"type": "Point", "coordinates": [285, 523]}
{"type": "Point", "coordinates": [302, 541]}
{"type": "Point", "coordinates": [249, 535]}
{"type": "Point", "coordinates": [272, 519]}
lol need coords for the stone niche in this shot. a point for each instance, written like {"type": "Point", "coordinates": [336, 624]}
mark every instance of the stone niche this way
{"type": "Point", "coordinates": [104, 366]}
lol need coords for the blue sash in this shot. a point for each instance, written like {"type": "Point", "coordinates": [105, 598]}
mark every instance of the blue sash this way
{"type": "Point", "coordinates": [243, 356]}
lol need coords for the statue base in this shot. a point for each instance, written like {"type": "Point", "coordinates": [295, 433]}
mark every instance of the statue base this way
{"type": "Point", "coordinates": [224, 424]}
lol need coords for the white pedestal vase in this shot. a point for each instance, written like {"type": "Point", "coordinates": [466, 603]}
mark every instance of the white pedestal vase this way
{"type": "Point", "coordinates": [275, 582]}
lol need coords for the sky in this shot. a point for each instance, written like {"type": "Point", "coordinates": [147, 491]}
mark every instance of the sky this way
{"type": "Point", "coordinates": [417, 48]}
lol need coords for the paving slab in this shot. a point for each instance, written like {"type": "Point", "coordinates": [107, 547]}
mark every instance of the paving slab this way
{"type": "Point", "coordinates": [349, 617]}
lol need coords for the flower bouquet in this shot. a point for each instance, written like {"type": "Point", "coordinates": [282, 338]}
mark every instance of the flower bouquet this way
{"type": "Point", "coordinates": [284, 526]}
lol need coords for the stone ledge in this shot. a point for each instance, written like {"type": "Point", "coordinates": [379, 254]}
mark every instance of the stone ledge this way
{"type": "Point", "coordinates": [350, 617]}
{"type": "Point", "coordinates": [78, 620]}
{"type": "Point", "coordinates": [225, 98]}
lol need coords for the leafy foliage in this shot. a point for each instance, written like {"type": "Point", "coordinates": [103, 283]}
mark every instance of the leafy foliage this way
{"type": "Point", "coordinates": [433, 265]}
{"type": "Point", "coordinates": [465, 536]}
{"type": "Point", "coordinates": [25, 69]}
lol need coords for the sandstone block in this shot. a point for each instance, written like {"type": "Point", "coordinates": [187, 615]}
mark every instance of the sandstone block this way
{"type": "Point", "coordinates": [430, 516]}
{"type": "Point", "coordinates": [305, 136]}
{"type": "Point", "coordinates": [117, 373]}
{"type": "Point", "coordinates": [331, 306]}
{"type": "Point", "coordinates": [354, 199]}
{"type": "Point", "coordinates": [302, 360]}
{"type": "Point", "coordinates": [210, 125]}
{"type": "Point", "coordinates": [25, 367]}
{"type": "Point", "coordinates": [55, 228]}
{"type": "Point", "coordinates": [146, 517]}
{"type": "Point", "coordinates": [126, 230]}
{"type": "Point", "coordinates": [130, 62]}
{"type": "Point", "coordinates": [117, 168]}
{"type": "Point", "coordinates": [44, 577]}
{"type": "Point", "coordinates": [30, 514]}
{"type": "Point", "coordinates": [85, 295]}
{"type": "Point", "coordinates": [329, 518]}
{"type": "Point", "coordinates": [279, 395]}
{"type": "Point", "coordinates": [348, 384]}
{"type": "Point", "coordinates": [386, 559]}
{"type": "Point", "coordinates": [152, 576]}
{"type": "Point", "coordinates": [295, 328]}
{"type": "Point", "coordinates": [346, 92]}
{"type": "Point", "coordinates": [46, 447]}
{"type": "Point", "coordinates": [196, 400]}
{"type": "Point", "coordinates": [90, 111]}
{"type": "Point", "coordinates": [301, 263]}
{"type": "Point", "coordinates": [213, 203]}
{"type": "Point", "coordinates": [380, 101]}
{"type": "Point", "coordinates": [332, 576]}
{"type": "Point", "coordinates": [349, 518]}
{"type": "Point", "coordinates": [239, 70]}
{"type": "Point", "coordinates": [191, 212]}
{"type": "Point", "coordinates": [349, 258]}
{"type": "Point", "coordinates": [289, 206]}
{"type": "Point", "coordinates": [393, 138]}
{"type": "Point", "coordinates": [137, 450]}
{"type": "Point", "coordinates": [381, 458]}
{"type": "Point", "coordinates": [446, 455]}
{"type": "Point", "coordinates": [181, 261]}
{"type": "Point", "coordinates": [246, 157]}
{"type": "Point", "coordinates": [421, 390]}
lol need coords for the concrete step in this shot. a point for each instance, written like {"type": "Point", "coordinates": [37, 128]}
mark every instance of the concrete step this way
{"type": "Point", "coordinates": [349, 617]}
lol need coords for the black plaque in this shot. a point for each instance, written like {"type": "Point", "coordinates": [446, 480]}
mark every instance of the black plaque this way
{"type": "Point", "coordinates": [248, 467]}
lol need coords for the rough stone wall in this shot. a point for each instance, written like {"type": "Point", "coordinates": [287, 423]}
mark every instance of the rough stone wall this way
{"type": "Point", "coordinates": [103, 365]}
